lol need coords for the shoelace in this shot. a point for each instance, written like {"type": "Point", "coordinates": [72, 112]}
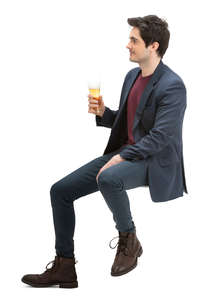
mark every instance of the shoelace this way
{"type": "Point", "coordinates": [52, 267]}
{"type": "Point", "coordinates": [112, 240]}
{"type": "Point", "coordinates": [54, 264]}
{"type": "Point", "coordinates": [121, 244]}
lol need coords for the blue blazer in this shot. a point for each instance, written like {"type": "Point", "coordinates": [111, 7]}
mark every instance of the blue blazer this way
{"type": "Point", "coordinates": [157, 130]}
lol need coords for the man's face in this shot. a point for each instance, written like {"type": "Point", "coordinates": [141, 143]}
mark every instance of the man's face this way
{"type": "Point", "coordinates": [138, 52]}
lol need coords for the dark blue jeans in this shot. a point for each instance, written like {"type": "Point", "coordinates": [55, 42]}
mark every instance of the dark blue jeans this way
{"type": "Point", "coordinates": [112, 183]}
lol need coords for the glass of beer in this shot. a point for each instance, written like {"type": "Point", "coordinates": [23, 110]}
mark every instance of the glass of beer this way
{"type": "Point", "coordinates": [94, 90]}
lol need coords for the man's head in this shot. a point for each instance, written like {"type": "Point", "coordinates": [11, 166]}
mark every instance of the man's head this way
{"type": "Point", "coordinates": [149, 38]}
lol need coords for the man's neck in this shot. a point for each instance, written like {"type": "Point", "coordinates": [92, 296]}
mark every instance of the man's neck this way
{"type": "Point", "coordinates": [149, 67]}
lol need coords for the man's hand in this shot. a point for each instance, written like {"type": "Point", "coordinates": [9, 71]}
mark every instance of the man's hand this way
{"type": "Point", "coordinates": [116, 159]}
{"type": "Point", "coordinates": [96, 104]}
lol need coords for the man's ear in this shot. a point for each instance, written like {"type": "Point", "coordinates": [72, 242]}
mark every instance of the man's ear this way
{"type": "Point", "coordinates": [155, 45]}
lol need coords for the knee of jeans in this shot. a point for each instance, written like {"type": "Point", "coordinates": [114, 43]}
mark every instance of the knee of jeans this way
{"type": "Point", "coordinates": [57, 192]}
{"type": "Point", "coordinates": [53, 191]}
{"type": "Point", "coordinates": [106, 178]}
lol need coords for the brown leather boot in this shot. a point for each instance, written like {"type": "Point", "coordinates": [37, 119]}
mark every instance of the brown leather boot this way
{"type": "Point", "coordinates": [129, 249]}
{"type": "Point", "coordinates": [61, 273]}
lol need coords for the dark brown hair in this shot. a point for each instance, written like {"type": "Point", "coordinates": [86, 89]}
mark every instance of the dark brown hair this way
{"type": "Point", "coordinates": [152, 29]}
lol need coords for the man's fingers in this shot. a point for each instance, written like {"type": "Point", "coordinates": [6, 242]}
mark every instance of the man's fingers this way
{"type": "Point", "coordinates": [103, 168]}
{"type": "Point", "coordinates": [92, 111]}
{"type": "Point", "coordinates": [93, 105]}
{"type": "Point", "coordinates": [97, 176]}
{"type": "Point", "coordinates": [91, 99]}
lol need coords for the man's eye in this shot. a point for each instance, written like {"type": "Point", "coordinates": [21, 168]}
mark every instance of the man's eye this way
{"type": "Point", "coordinates": [133, 40]}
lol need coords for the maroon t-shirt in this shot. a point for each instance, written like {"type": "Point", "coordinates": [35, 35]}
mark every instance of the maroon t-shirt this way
{"type": "Point", "coordinates": [132, 103]}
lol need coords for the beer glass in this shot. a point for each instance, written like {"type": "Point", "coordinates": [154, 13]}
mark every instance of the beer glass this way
{"type": "Point", "coordinates": [94, 89]}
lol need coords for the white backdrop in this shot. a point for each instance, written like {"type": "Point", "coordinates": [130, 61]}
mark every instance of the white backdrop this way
{"type": "Point", "coordinates": [47, 51]}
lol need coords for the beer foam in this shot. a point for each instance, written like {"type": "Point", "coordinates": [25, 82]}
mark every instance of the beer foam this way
{"type": "Point", "coordinates": [93, 84]}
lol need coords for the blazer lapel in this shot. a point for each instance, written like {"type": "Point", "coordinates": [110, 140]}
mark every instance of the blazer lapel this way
{"type": "Point", "coordinates": [129, 85]}
{"type": "Point", "coordinates": [146, 93]}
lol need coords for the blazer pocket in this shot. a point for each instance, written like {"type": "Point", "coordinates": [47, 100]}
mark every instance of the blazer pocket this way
{"type": "Point", "coordinates": [168, 156]}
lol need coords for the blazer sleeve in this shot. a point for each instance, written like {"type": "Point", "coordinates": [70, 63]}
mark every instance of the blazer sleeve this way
{"type": "Point", "coordinates": [168, 120]}
{"type": "Point", "coordinates": [107, 119]}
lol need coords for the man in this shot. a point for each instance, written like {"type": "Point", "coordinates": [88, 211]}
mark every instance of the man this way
{"type": "Point", "coordinates": [144, 149]}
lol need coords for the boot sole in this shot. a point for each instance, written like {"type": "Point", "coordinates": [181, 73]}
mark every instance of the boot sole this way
{"type": "Point", "coordinates": [132, 267]}
{"type": "Point", "coordinates": [73, 284]}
